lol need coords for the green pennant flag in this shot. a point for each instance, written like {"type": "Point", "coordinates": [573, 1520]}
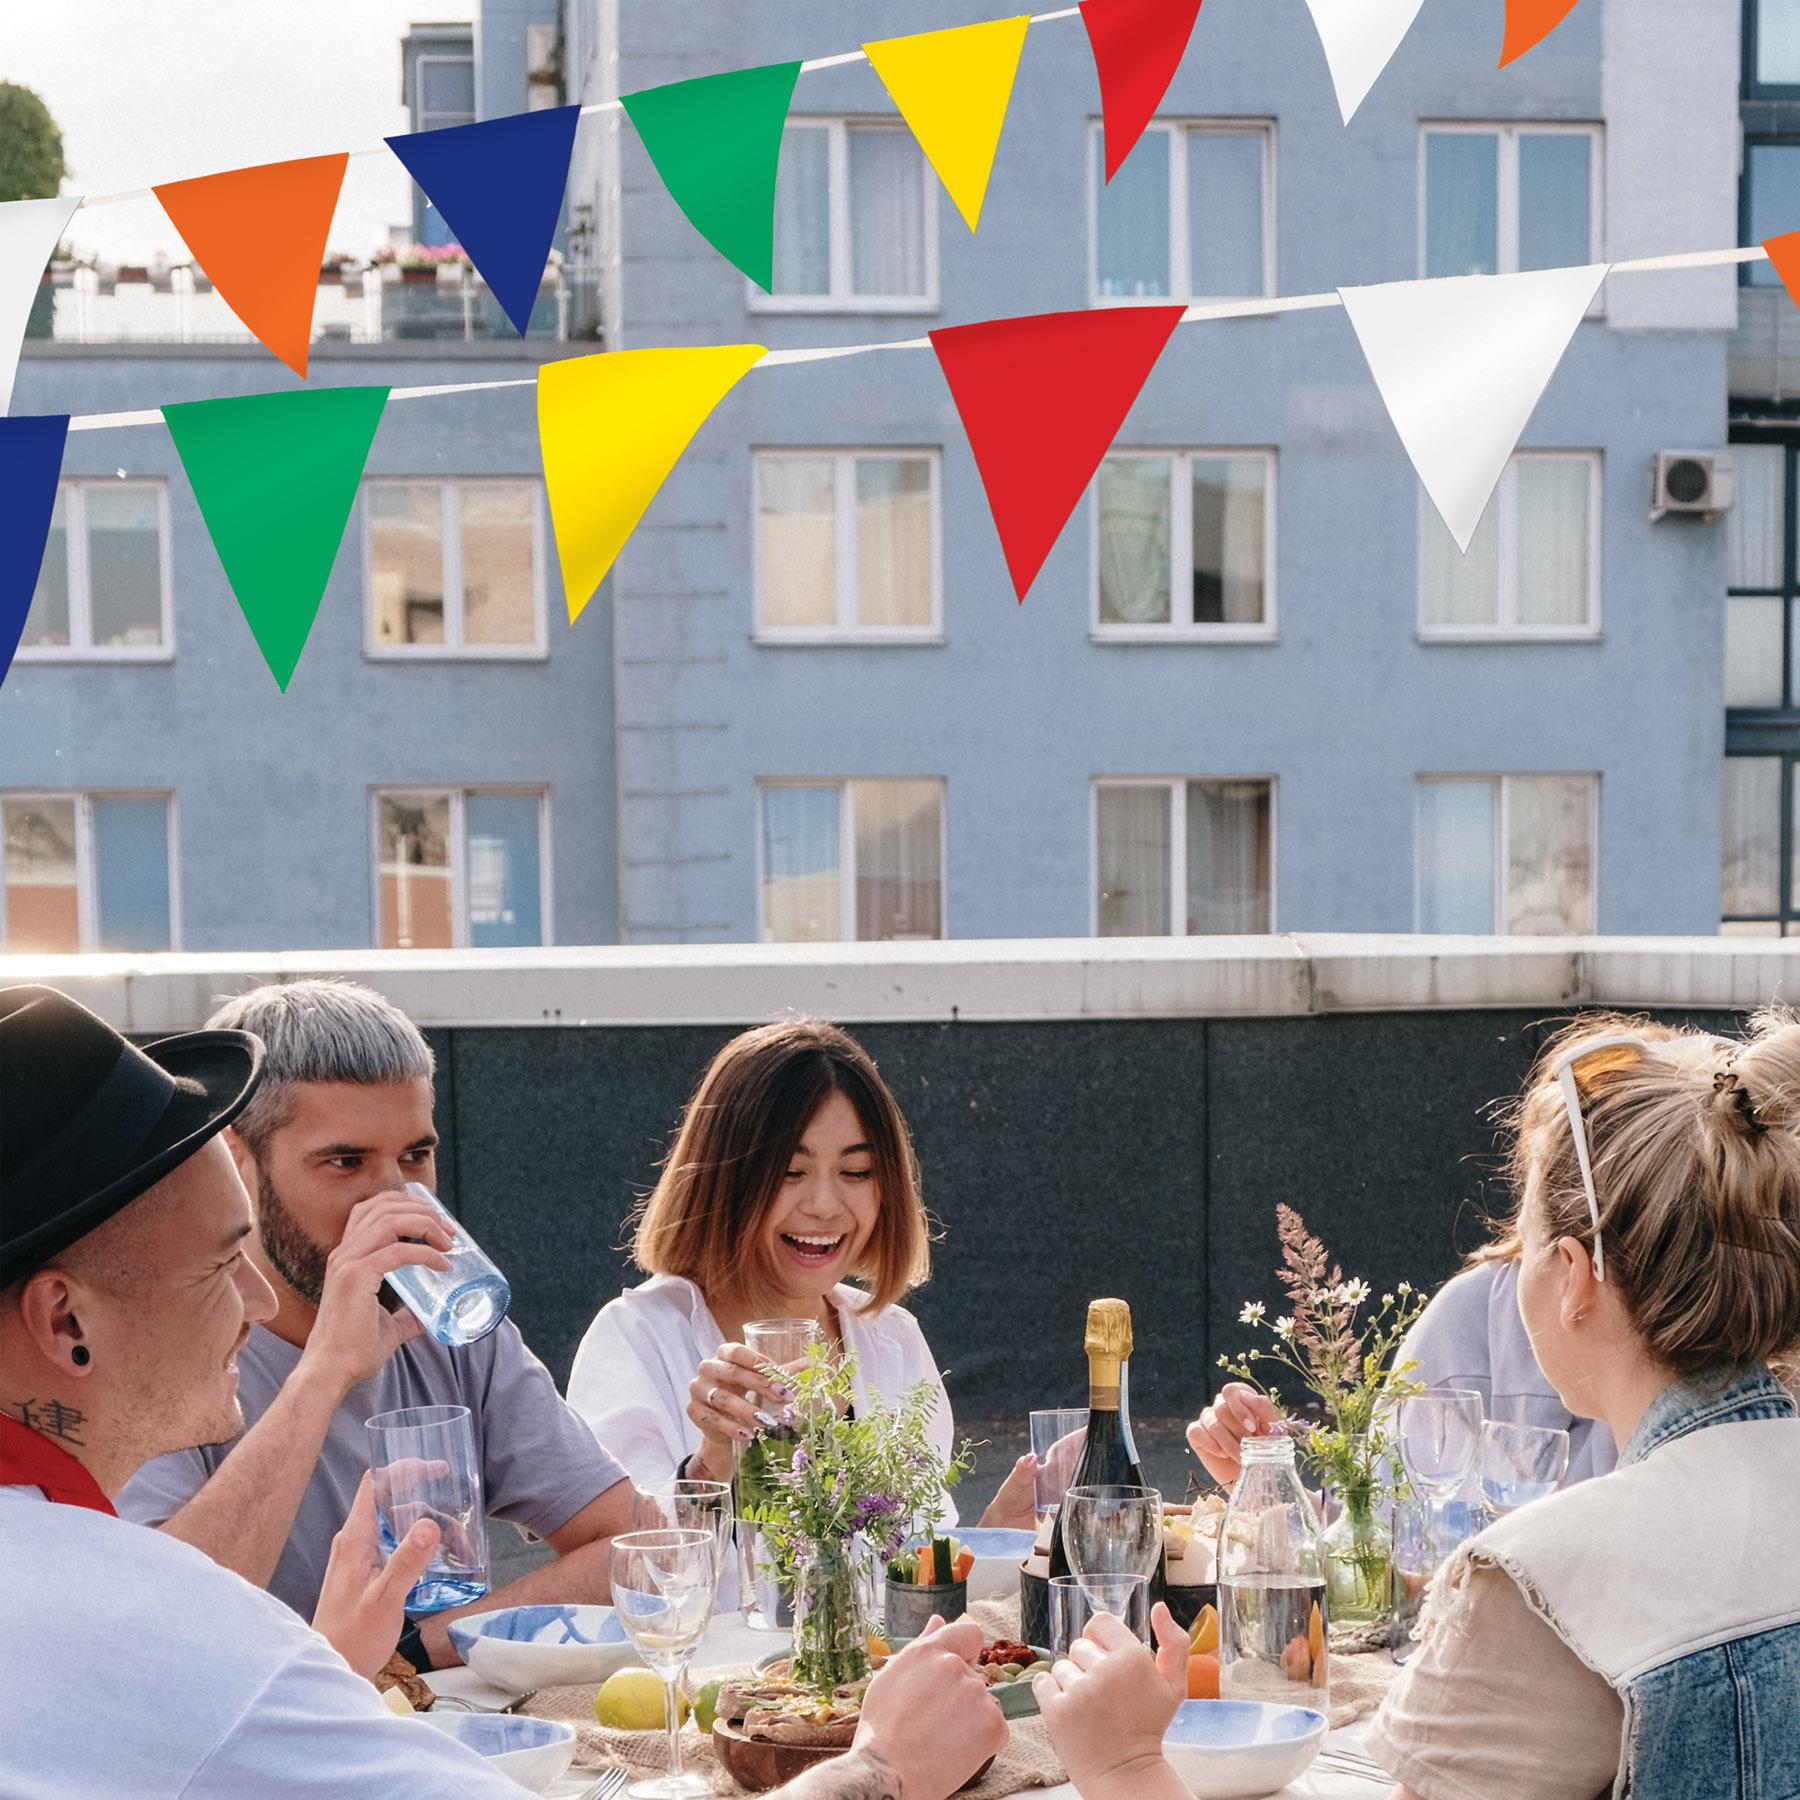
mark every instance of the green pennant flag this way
{"type": "Point", "coordinates": [275, 476]}
{"type": "Point", "coordinates": [716, 141]}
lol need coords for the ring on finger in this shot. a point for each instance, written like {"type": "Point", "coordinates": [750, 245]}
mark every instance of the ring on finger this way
{"type": "Point", "coordinates": [712, 1394]}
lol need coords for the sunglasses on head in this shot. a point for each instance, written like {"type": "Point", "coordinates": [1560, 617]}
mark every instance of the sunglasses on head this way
{"type": "Point", "coordinates": [1563, 1070]}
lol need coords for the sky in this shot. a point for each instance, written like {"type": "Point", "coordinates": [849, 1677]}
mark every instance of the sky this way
{"type": "Point", "coordinates": [154, 90]}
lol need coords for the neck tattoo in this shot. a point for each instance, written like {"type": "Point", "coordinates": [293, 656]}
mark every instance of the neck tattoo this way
{"type": "Point", "coordinates": [52, 1419]}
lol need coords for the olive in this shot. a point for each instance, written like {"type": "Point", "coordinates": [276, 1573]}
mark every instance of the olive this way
{"type": "Point", "coordinates": [1012, 1671]}
{"type": "Point", "coordinates": [1040, 1667]}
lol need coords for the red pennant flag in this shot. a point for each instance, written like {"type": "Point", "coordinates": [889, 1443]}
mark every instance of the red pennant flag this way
{"type": "Point", "coordinates": [1041, 400]}
{"type": "Point", "coordinates": [1784, 253]}
{"type": "Point", "coordinates": [1528, 23]}
{"type": "Point", "coordinates": [260, 235]}
{"type": "Point", "coordinates": [1138, 46]}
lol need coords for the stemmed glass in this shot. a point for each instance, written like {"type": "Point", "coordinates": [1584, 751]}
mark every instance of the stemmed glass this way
{"type": "Point", "coordinates": [688, 1506]}
{"type": "Point", "coordinates": [1520, 1463]}
{"type": "Point", "coordinates": [1440, 1433]}
{"type": "Point", "coordinates": [662, 1588]}
{"type": "Point", "coordinates": [1111, 1529]}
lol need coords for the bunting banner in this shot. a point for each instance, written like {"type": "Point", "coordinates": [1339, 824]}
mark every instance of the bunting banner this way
{"type": "Point", "coordinates": [31, 453]}
{"type": "Point", "coordinates": [1041, 400]}
{"type": "Point", "coordinates": [1784, 253]}
{"type": "Point", "coordinates": [716, 143]}
{"type": "Point", "coordinates": [1360, 38]}
{"type": "Point", "coordinates": [610, 429]}
{"type": "Point", "coordinates": [259, 234]}
{"type": "Point", "coordinates": [1461, 365]}
{"type": "Point", "coordinates": [952, 89]}
{"type": "Point", "coordinates": [1138, 45]}
{"type": "Point", "coordinates": [275, 476]}
{"type": "Point", "coordinates": [498, 185]}
{"type": "Point", "coordinates": [1529, 22]}
{"type": "Point", "coordinates": [30, 230]}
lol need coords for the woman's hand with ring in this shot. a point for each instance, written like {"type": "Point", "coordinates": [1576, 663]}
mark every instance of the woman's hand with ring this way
{"type": "Point", "coordinates": [724, 1398]}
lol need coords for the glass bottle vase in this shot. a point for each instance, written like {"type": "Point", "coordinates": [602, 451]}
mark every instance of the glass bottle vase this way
{"type": "Point", "coordinates": [1359, 1548]}
{"type": "Point", "coordinates": [831, 1634]}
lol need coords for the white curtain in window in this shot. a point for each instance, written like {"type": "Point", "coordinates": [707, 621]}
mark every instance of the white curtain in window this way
{"type": "Point", "coordinates": [1752, 835]}
{"type": "Point", "coordinates": [124, 548]}
{"type": "Point", "coordinates": [1549, 855]}
{"type": "Point", "coordinates": [893, 541]}
{"type": "Point", "coordinates": [1754, 526]}
{"type": "Point", "coordinates": [1554, 538]}
{"type": "Point", "coordinates": [1133, 497]}
{"type": "Point", "coordinates": [1753, 650]}
{"type": "Point", "coordinates": [1132, 864]}
{"type": "Point", "coordinates": [899, 859]}
{"type": "Point", "coordinates": [796, 525]}
{"type": "Point", "coordinates": [802, 879]}
{"type": "Point", "coordinates": [1456, 856]}
{"type": "Point", "coordinates": [1227, 857]}
{"type": "Point", "coordinates": [1459, 591]}
{"type": "Point", "coordinates": [887, 212]}
{"type": "Point", "coordinates": [803, 212]}
{"type": "Point", "coordinates": [1228, 539]}
{"type": "Point", "coordinates": [1131, 212]}
{"type": "Point", "coordinates": [1462, 203]}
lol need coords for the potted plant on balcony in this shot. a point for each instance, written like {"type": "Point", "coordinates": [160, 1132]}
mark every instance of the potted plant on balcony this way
{"type": "Point", "coordinates": [420, 263]}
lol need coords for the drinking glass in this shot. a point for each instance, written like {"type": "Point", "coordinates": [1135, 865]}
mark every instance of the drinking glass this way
{"type": "Point", "coordinates": [688, 1506]}
{"type": "Point", "coordinates": [1109, 1529]}
{"type": "Point", "coordinates": [662, 1589]}
{"type": "Point", "coordinates": [1520, 1463]}
{"type": "Point", "coordinates": [1056, 1439]}
{"type": "Point", "coordinates": [463, 1303]}
{"type": "Point", "coordinates": [1440, 1434]}
{"type": "Point", "coordinates": [764, 1605]}
{"type": "Point", "coordinates": [424, 1466]}
{"type": "Point", "coordinates": [1074, 1599]}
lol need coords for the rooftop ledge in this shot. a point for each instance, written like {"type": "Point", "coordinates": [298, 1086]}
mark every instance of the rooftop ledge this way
{"type": "Point", "coordinates": [976, 980]}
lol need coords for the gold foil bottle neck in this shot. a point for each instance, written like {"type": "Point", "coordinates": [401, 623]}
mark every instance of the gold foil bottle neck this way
{"type": "Point", "coordinates": [1108, 1329]}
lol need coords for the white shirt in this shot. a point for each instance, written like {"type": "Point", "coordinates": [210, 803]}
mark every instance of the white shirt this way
{"type": "Point", "coordinates": [631, 1376]}
{"type": "Point", "coordinates": [133, 1665]}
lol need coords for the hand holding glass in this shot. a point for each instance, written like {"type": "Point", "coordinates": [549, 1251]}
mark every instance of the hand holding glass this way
{"type": "Point", "coordinates": [424, 1466]}
{"type": "Point", "coordinates": [1074, 1599]}
{"type": "Point", "coordinates": [662, 1588]}
{"type": "Point", "coordinates": [1520, 1463]}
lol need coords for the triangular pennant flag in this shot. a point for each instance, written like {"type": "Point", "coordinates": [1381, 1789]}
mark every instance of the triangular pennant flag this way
{"type": "Point", "coordinates": [1461, 364]}
{"type": "Point", "coordinates": [1041, 400]}
{"type": "Point", "coordinates": [275, 476]}
{"type": "Point", "coordinates": [610, 428]}
{"type": "Point", "coordinates": [1360, 38]}
{"type": "Point", "coordinates": [31, 453]}
{"type": "Point", "coordinates": [1529, 22]}
{"type": "Point", "coordinates": [499, 185]}
{"type": "Point", "coordinates": [1138, 45]}
{"type": "Point", "coordinates": [1784, 253]}
{"type": "Point", "coordinates": [952, 88]}
{"type": "Point", "coordinates": [259, 234]}
{"type": "Point", "coordinates": [29, 231]}
{"type": "Point", "coordinates": [716, 143]}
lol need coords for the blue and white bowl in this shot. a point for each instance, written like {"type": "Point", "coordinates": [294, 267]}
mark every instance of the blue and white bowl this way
{"type": "Point", "coordinates": [522, 1647]}
{"type": "Point", "coordinates": [533, 1752]}
{"type": "Point", "coordinates": [1231, 1749]}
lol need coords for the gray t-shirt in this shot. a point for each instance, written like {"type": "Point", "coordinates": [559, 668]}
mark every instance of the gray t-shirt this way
{"type": "Point", "coordinates": [540, 1464]}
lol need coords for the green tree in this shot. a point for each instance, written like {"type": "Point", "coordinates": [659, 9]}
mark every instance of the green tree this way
{"type": "Point", "coordinates": [31, 146]}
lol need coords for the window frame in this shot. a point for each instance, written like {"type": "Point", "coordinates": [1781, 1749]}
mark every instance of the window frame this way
{"type": "Point", "coordinates": [1507, 629]}
{"type": "Point", "coordinates": [1181, 252]}
{"type": "Point", "coordinates": [1177, 786]}
{"type": "Point", "coordinates": [1506, 221]}
{"type": "Point", "coordinates": [453, 649]}
{"type": "Point", "coordinates": [433, 119]}
{"type": "Point", "coordinates": [844, 458]}
{"type": "Point", "coordinates": [1753, 89]}
{"type": "Point", "coordinates": [839, 298]}
{"type": "Point", "coordinates": [1758, 140]}
{"type": "Point", "coordinates": [1181, 549]}
{"type": "Point", "coordinates": [1787, 439]}
{"type": "Point", "coordinates": [1786, 917]}
{"type": "Point", "coordinates": [1502, 835]}
{"type": "Point", "coordinates": [87, 885]}
{"type": "Point", "coordinates": [81, 647]}
{"type": "Point", "coordinates": [459, 853]}
{"type": "Point", "coordinates": [847, 854]}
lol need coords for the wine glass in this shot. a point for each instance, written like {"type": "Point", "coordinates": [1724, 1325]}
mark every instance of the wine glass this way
{"type": "Point", "coordinates": [1075, 1599]}
{"type": "Point", "coordinates": [662, 1587]}
{"type": "Point", "coordinates": [1112, 1529]}
{"type": "Point", "coordinates": [1440, 1433]}
{"type": "Point", "coordinates": [688, 1506]}
{"type": "Point", "coordinates": [1520, 1463]}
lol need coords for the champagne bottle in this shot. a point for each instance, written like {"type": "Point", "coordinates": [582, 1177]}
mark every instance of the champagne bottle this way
{"type": "Point", "coordinates": [1108, 1454]}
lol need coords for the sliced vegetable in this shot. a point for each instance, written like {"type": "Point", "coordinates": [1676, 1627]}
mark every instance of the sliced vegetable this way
{"type": "Point", "coordinates": [944, 1550]}
{"type": "Point", "coordinates": [965, 1561]}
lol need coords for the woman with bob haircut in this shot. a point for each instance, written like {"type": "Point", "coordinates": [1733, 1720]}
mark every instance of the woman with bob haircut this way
{"type": "Point", "coordinates": [792, 1172]}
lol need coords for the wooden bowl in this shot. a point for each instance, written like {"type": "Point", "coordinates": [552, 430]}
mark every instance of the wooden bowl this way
{"type": "Point", "coordinates": [758, 1764]}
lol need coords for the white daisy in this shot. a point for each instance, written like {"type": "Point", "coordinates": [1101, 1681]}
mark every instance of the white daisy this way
{"type": "Point", "coordinates": [1284, 1326]}
{"type": "Point", "coordinates": [1252, 1314]}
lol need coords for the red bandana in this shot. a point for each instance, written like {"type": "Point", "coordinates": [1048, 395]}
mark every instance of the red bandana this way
{"type": "Point", "coordinates": [28, 1459]}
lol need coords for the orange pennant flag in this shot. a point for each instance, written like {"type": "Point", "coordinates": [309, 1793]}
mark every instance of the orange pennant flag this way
{"type": "Point", "coordinates": [1784, 253]}
{"type": "Point", "coordinates": [1528, 23]}
{"type": "Point", "coordinates": [260, 235]}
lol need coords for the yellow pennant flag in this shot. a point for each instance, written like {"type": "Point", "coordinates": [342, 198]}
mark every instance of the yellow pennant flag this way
{"type": "Point", "coordinates": [610, 429]}
{"type": "Point", "coordinates": [952, 88]}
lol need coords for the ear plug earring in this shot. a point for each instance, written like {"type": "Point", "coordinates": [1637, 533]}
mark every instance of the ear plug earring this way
{"type": "Point", "coordinates": [81, 1356]}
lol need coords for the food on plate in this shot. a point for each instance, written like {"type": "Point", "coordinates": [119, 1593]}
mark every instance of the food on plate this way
{"type": "Point", "coordinates": [1203, 1675]}
{"type": "Point", "coordinates": [397, 1675]}
{"type": "Point", "coordinates": [1003, 1661]}
{"type": "Point", "coordinates": [632, 1700]}
{"type": "Point", "coordinates": [776, 1710]}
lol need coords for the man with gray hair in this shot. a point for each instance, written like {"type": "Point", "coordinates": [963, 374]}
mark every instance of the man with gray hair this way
{"type": "Point", "coordinates": [341, 1122]}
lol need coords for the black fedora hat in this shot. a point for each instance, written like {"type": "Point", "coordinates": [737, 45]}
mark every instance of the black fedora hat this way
{"type": "Point", "coordinates": [88, 1121]}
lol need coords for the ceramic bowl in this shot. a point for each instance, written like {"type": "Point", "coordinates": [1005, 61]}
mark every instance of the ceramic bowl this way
{"type": "Point", "coordinates": [1230, 1749]}
{"type": "Point", "coordinates": [524, 1647]}
{"type": "Point", "coordinates": [532, 1752]}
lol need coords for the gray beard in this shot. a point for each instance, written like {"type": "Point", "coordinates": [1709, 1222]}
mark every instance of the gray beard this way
{"type": "Point", "coordinates": [292, 1254]}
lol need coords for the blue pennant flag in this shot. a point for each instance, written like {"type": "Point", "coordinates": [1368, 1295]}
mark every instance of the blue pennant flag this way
{"type": "Point", "coordinates": [499, 185]}
{"type": "Point", "coordinates": [31, 453]}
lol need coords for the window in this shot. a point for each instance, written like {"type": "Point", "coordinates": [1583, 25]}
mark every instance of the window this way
{"type": "Point", "coordinates": [103, 591]}
{"type": "Point", "coordinates": [1184, 544]}
{"type": "Point", "coordinates": [1499, 199]}
{"type": "Point", "coordinates": [1762, 611]}
{"type": "Point", "coordinates": [1533, 565]}
{"type": "Point", "coordinates": [439, 81]}
{"type": "Point", "coordinates": [855, 220]}
{"type": "Point", "coordinates": [1198, 852]}
{"type": "Point", "coordinates": [87, 872]}
{"type": "Point", "coordinates": [1512, 854]}
{"type": "Point", "coordinates": [1760, 876]}
{"type": "Point", "coordinates": [1772, 50]}
{"type": "Point", "coordinates": [454, 568]}
{"type": "Point", "coordinates": [847, 544]}
{"type": "Point", "coordinates": [852, 860]}
{"type": "Point", "coordinates": [1770, 200]}
{"type": "Point", "coordinates": [1190, 215]}
{"type": "Point", "coordinates": [462, 868]}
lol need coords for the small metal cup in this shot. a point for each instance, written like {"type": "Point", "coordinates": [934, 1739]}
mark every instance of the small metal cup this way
{"type": "Point", "coordinates": [907, 1608]}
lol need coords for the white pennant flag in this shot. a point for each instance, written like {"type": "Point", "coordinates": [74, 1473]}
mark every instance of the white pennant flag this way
{"type": "Point", "coordinates": [1461, 364]}
{"type": "Point", "coordinates": [1360, 38]}
{"type": "Point", "coordinates": [29, 232]}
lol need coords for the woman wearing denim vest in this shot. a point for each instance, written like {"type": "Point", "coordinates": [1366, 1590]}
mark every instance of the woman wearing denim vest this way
{"type": "Point", "coordinates": [1640, 1632]}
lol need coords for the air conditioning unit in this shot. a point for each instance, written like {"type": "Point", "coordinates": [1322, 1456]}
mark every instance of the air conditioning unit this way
{"type": "Point", "coordinates": [1696, 482]}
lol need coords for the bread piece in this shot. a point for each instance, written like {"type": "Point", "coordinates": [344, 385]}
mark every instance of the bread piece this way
{"type": "Point", "coordinates": [397, 1672]}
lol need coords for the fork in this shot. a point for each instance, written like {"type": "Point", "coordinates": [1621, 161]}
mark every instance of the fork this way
{"type": "Point", "coordinates": [611, 1780]}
